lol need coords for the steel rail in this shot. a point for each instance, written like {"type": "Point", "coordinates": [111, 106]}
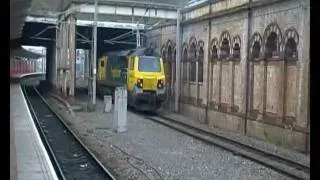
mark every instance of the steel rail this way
{"type": "Point", "coordinates": [57, 166]}
{"type": "Point", "coordinates": [280, 164]}
{"type": "Point", "coordinates": [52, 156]}
{"type": "Point", "coordinates": [76, 137]}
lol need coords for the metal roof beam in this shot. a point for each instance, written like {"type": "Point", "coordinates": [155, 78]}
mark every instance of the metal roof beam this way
{"type": "Point", "coordinates": [130, 11]}
{"type": "Point", "coordinates": [146, 3]}
{"type": "Point", "coordinates": [105, 24]}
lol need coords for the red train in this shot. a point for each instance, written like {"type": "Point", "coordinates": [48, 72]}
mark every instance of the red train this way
{"type": "Point", "coordinates": [23, 67]}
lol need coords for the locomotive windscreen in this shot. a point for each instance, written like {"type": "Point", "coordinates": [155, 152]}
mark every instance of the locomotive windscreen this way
{"type": "Point", "coordinates": [149, 64]}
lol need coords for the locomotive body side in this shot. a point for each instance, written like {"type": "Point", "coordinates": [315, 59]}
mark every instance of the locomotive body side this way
{"type": "Point", "coordinates": [111, 73]}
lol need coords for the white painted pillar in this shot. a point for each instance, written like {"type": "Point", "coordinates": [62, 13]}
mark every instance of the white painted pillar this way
{"type": "Point", "coordinates": [120, 109]}
{"type": "Point", "coordinates": [107, 103]}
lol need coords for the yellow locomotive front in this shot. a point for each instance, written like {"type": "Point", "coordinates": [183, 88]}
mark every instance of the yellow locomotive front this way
{"type": "Point", "coordinates": [146, 82]}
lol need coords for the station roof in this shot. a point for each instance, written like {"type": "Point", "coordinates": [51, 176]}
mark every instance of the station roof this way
{"type": "Point", "coordinates": [146, 12]}
{"type": "Point", "coordinates": [23, 53]}
{"type": "Point", "coordinates": [18, 11]}
{"type": "Point", "coordinates": [112, 13]}
{"type": "Point", "coordinates": [142, 3]}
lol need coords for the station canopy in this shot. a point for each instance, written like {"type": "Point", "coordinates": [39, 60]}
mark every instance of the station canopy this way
{"type": "Point", "coordinates": [23, 53]}
{"type": "Point", "coordinates": [124, 14]}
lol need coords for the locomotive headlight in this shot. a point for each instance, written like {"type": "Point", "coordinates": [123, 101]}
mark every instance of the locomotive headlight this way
{"type": "Point", "coordinates": [140, 83]}
{"type": "Point", "coordinates": [160, 84]}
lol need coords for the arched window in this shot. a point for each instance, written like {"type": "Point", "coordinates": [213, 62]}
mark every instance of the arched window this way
{"type": "Point", "coordinates": [185, 63]}
{"type": "Point", "coordinates": [271, 46]}
{"type": "Point", "coordinates": [291, 39]}
{"type": "Point", "coordinates": [236, 51]}
{"type": "Point", "coordinates": [291, 52]}
{"type": "Point", "coordinates": [174, 65]}
{"type": "Point", "coordinates": [193, 52]}
{"type": "Point", "coordinates": [193, 59]}
{"type": "Point", "coordinates": [214, 53]}
{"type": "Point", "coordinates": [272, 39]}
{"type": "Point", "coordinates": [163, 54]}
{"type": "Point", "coordinates": [225, 41]}
{"type": "Point", "coordinates": [214, 50]}
{"type": "Point", "coordinates": [236, 48]}
{"type": "Point", "coordinates": [168, 64]}
{"type": "Point", "coordinates": [255, 47]}
{"type": "Point", "coordinates": [256, 51]}
{"type": "Point", "coordinates": [225, 49]}
{"type": "Point", "coordinates": [200, 65]}
{"type": "Point", "coordinates": [169, 57]}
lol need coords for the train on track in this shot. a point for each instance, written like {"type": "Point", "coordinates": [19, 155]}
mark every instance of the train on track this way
{"type": "Point", "coordinates": [141, 71]}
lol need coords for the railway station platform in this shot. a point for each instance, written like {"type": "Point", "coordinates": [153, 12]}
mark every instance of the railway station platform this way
{"type": "Point", "coordinates": [28, 156]}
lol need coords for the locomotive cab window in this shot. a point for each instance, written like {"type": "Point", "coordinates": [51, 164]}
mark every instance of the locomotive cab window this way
{"type": "Point", "coordinates": [149, 64]}
{"type": "Point", "coordinates": [102, 63]}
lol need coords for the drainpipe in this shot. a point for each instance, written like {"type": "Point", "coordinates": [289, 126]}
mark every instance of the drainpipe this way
{"type": "Point", "coordinates": [248, 67]}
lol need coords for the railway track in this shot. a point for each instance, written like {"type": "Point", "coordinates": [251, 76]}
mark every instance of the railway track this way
{"type": "Point", "coordinates": [283, 165]}
{"type": "Point", "coordinates": [70, 157]}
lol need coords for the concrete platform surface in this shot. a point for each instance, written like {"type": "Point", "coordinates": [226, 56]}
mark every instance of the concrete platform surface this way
{"type": "Point", "coordinates": [28, 156]}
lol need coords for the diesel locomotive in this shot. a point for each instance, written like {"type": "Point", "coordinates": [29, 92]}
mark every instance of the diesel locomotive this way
{"type": "Point", "coordinates": [141, 71]}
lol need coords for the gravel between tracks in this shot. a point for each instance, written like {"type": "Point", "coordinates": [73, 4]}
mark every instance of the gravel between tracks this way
{"type": "Point", "coordinates": [156, 151]}
{"type": "Point", "coordinates": [261, 144]}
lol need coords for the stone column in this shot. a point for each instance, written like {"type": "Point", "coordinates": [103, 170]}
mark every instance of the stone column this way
{"type": "Point", "coordinates": [303, 72]}
{"type": "Point", "coordinates": [68, 59]}
{"type": "Point", "coordinates": [207, 68]}
{"type": "Point", "coordinates": [56, 59]}
{"type": "Point", "coordinates": [61, 47]}
{"type": "Point", "coordinates": [219, 65]}
{"type": "Point", "coordinates": [263, 66]}
{"type": "Point", "coordinates": [197, 84]}
{"type": "Point", "coordinates": [64, 58]}
{"type": "Point", "coordinates": [188, 80]}
{"type": "Point", "coordinates": [303, 69]}
{"type": "Point", "coordinates": [232, 68]}
{"type": "Point", "coordinates": [72, 49]}
{"type": "Point", "coordinates": [282, 83]}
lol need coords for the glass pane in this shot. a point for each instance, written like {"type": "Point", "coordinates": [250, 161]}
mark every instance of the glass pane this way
{"type": "Point", "coordinates": [149, 64]}
{"type": "Point", "coordinates": [193, 69]}
{"type": "Point", "coordinates": [200, 72]}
